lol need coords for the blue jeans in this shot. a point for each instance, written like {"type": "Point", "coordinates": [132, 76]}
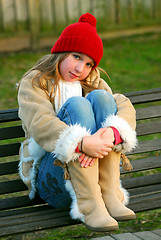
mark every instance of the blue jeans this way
{"type": "Point", "coordinates": [89, 112]}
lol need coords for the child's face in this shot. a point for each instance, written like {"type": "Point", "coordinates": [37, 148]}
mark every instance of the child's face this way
{"type": "Point", "coordinates": [75, 67]}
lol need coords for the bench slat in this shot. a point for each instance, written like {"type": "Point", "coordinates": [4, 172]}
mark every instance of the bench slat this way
{"type": "Point", "coordinates": [145, 203]}
{"type": "Point", "coordinates": [33, 211]}
{"type": "Point", "coordinates": [9, 149]}
{"type": "Point", "coordinates": [141, 181]}
{"type": "Point", "coordinates": [18, 202]}
{"type": "Point", "coordinates": [27, 210]}
{"type": "Point", "coordinates": [11, 132]}
{"type": "Point", "coordinates": [144, 96]}
{"type": "Point", "coordinates": [32, 217]}
{"type": "Point", "coordinates": [148, 128]}
{"type": "Point", "coordinates": [9, 115]}
{"type": "Point", "coordinates": [38, 225]}
{"type": "Point", "coordinates": [17, 131]}
{"type": "Point", "coordinates": [12, 186]}
{"type": "Point", "coordinates": [144, 164]}
{"type": "Point", "coordinates": [147, 146]}
{"type": "Point", "coordinates": [138, 165]}
{"type": "Point", "coordinates": [24, 201]}
{"type": "Point", "coordinates": [143, 92]}
{"type": "Point", "coordinates": [148, 112]}
{"type": "Point", "coordinates": [140, 191]}
{"type": "Point", "coordinates": [9, 168]}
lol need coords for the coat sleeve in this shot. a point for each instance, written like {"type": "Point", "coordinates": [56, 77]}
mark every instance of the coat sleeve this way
{"type": "Point", "coordinates": [41, 123]}
{"type": "Point", "coordinates": [124, 121]}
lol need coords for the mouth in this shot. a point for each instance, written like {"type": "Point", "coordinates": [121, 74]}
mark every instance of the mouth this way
{"type": "Point", "coordinates": [73, 75]}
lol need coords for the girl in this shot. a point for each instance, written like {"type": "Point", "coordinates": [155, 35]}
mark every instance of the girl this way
{"type": "Point", "coordinates": [72, 119]}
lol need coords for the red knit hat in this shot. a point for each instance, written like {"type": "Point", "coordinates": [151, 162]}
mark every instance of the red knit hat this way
{"type": "Point", "coordinates": [81, 37]}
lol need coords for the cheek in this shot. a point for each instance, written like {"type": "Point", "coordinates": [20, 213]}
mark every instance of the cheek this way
{"type": "Point", "coordinates": [86, 73]}
{"type": "Point", "coordinates": [62, 68]}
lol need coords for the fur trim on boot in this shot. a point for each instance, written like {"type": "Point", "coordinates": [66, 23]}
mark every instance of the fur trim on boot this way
{"type": "Point", "coordinates": [29, 162]}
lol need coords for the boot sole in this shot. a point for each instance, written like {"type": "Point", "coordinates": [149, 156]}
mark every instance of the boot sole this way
{"type": "Point", "coordinates": [102, 229]}
{"type": "Point", "coordinates": [125, 218]}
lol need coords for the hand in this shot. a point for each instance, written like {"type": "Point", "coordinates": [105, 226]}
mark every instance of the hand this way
{"type": "Point", "coordinates": [108, 136]}
{"type": "Point", "coordinates": [86, 160]}
{"type": "Point", "coordinates": [99, 144]}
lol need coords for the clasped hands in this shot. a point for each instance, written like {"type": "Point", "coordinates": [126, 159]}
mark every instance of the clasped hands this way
{"type": "Point", "coordinates": [98, 145]}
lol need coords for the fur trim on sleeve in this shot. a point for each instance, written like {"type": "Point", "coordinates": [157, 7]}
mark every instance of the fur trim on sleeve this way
{"type": "Point", "coordinates": [127, 134]}
{"type": "Point", "coordinates": [68, 141]}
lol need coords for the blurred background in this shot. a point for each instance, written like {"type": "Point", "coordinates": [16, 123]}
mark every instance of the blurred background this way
{"type": "Point", "coordinates": [130, 30]}
{"type": "Point", "coordinates": [35, 23]}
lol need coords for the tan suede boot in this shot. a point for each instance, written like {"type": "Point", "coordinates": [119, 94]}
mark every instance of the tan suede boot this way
{"type": "Point", "coordinates": [109, 169]}
{"type": "Point", "coordinates": [88, 205]}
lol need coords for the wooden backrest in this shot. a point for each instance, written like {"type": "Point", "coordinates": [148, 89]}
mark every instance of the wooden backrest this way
{"type": "Point", "coordinates": [145, 159]}
{"type": "Point", "coordinates": [145, 178]}
{"type": "Point", "coordinates": [13, 192]}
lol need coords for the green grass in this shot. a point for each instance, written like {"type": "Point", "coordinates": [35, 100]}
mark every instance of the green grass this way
{"type": "Point", "coordinates": [133, 63]}
{"type": "Point", "coordinates": [14, 65]}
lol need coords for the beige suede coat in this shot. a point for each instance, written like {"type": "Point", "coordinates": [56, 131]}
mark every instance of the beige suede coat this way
{"type": "Point", "coordinates": [44, 131]}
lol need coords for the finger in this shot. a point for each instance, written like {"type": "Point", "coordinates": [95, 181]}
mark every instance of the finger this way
{"type": "Point", "coordinates": [99, 155]}
{"type": "Point", "coordinates": [81, 157]}
{"type": "Point", "coordinates": [85, 159]}
{"type": "Point", "coordinates": [106, 150]}
{"type": "Point", "coordinates": [88, 162]}
{"type": "Point", "coordinates": [92, 161]}
{"type": "Point", "coordinates": [109, 145]}
{"type": "Point", "coordinates": [105, 154]}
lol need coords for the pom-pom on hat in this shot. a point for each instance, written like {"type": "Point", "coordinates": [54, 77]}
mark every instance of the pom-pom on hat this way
{"type": "Point", "coordinates": [81, 37]}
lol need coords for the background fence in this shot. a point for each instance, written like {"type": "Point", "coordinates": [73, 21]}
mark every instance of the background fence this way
{"type": "Point", "coordinates": [47, 18]}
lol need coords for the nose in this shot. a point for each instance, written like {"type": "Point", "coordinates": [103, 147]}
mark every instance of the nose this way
{"type": "Point", "coordinates": [79, 67]}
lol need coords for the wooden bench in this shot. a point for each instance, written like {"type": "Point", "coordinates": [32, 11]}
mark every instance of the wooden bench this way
{"type": "Point", "coordinates": [19, 214]}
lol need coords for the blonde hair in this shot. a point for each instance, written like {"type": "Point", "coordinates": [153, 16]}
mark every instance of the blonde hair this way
{"type": "Point", "coordinates": [48, 67]}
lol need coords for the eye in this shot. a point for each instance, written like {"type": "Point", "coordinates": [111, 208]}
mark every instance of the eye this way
{"type": "Point", "coordinates": [90, 65]}
{"type": "Point", "coordinates": [76, 56]}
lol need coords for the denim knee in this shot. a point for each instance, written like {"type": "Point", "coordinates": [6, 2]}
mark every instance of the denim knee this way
{"type": "Point", "coordinates": [101, 96]}
{"type": "Point", "coordinates": [102, 99]}
{"type": "Point", "coordinates": [78, 110]}
{"type": "Point", "coordinates": [78, 104]}
{"type": "Point", "coordinates": [103, 105]}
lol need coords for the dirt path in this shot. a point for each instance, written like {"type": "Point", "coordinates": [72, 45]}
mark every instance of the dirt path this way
{"type": "Point", "coordinates": [24, 42]}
